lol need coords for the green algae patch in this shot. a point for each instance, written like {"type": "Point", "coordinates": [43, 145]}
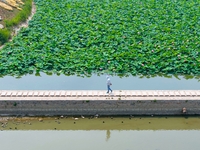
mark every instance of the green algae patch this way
{"type": "Point", "coordinates": [118, 36]}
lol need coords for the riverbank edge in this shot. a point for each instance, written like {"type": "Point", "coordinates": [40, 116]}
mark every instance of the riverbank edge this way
{"type": "Point", "coordinates": [15, 29]}
{"type": "Point", "coordinates": [34, 108]}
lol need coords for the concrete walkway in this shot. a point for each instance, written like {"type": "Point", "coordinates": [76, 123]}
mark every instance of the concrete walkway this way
{"type": "Point", "coordinates": [99, 95]}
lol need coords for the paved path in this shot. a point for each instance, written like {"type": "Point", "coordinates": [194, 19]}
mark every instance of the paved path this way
{"type": "Point", "coordinates": [100, 95]}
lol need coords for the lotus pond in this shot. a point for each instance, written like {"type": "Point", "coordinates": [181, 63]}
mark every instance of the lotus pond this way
{"type": "Point", "coordinates": [81, 37]}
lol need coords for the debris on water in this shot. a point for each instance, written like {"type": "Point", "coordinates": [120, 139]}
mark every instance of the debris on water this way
{"type": "Point", "coordinates": [184, 110]}
{"type": "Point", "coordinates": [97, 115]}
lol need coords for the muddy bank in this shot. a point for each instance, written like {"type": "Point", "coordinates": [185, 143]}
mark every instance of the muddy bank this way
{"type": "Point", "coordinates": [23, 24]}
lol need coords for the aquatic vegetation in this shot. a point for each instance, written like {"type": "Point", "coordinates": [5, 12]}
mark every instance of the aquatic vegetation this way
{"type": "Point", "coordinates": [146, 37]}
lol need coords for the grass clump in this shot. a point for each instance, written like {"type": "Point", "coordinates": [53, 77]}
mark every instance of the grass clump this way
{"type": "Point", "coordinates": [21, 16]}
{"type": "Point", "coordinates": [4, 36]}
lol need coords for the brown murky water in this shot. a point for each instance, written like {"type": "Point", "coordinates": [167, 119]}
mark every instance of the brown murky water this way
{"type": "Point", "coordinates": [118, 133]}
{"type": "Point", "coordinates": [105, 123]}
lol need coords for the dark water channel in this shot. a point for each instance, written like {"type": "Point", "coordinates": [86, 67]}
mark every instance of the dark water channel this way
{"type": "Point", "coordinates": [62, 82]}
{"type": "Point", "coordinates": [137, 133]}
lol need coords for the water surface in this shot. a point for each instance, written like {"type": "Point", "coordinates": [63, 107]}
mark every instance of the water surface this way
{"type": "Point", "coordinates": [62, 82]}
{"type": "Point", "coordinates": [138, 133]}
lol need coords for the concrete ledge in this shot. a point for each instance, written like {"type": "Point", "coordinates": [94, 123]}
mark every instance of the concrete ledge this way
{"type": "Point", "coordinates": [120, 102]}
{"type": "Point", "coordinates": [92, 95]}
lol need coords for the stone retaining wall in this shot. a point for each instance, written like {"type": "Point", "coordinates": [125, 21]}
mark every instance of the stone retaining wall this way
{"type": "Point", "coordinates": [120, 102]}
{"type": "Point", "coordinates": [100, 107]}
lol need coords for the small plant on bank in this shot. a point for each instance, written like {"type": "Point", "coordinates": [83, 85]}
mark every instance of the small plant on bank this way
{"type": "Point", "coordinates": [87, 101]}
{"type": "Point", "coordinates": [186, 101]}
{"type": "Point", "coordinates": [154, 100]}
{"type": "Point", "coordinates": [15, 104]}
{"type": "Point", "coordinates": [4, 36]}
{"type": "Point", "coordinates": [21, 16]}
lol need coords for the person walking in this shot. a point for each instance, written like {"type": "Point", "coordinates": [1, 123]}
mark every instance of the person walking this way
{"type": "Point", "coordinates": [108, 84]}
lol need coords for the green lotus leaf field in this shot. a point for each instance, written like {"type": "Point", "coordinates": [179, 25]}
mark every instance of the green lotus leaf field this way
{"type": "Point", "coordinates": [82, 37]}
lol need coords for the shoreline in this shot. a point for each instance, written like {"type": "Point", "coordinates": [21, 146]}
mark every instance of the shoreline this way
{"type": "Point", "coordinates": [16, 29]}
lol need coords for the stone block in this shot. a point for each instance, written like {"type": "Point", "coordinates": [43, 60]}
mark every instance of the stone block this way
{"type": "Point", "coordinates": [117, 94]}
{"type": "Point", "coordinates": [84, 93]}
{"type": "Point", "coordinates": [198, 93]}
{"type": "Point", "coordinates": [57, 93]}
{"type": "Point", "coordinates": [187, 93]}
{"type": "Point", "coordinates": [161, 93]}
{"type": "Point", "coordinates": [177, 93]}
{"type": "Point", "coordinates": [133, 93]}
{"type": "Point", "coordinates": [1, 26]}
{"type": "Point", "coordinates": [122, 93]}
{"type": "Point", "coordinates": [19, 94]}
{"type": "Point", "coordinates": [68, 93]}
{"type": "Point", "coordinates": [128, 94]}
{"type": "Point", "coordinates": [166, 93]}
{"type": "Point", "coordinates": [62, 93]}
{"type": "Point", "coordinates": [102, 94]}
{"type": "Point", "coordinates": [95, 93]}
{"type": "Point", "coordinates": [193, 93]}
{"type": "Point", "coordinates": [139, 93]}
{"type": "Point", "coordinates": [46, 93]}
{"type": "Point", "coordinates": [24, 94]}
{"type": "Point", "coordinates": [8, 94]}
{"type": "Point", "coordinates": [79, 93]}
{"type": "Point", "coordinates": [30, 94]}
{"type": "Point", "coordinates": [182, 93]}
{"type": "Point", "coordinates": [73, 94]}
{"type": "Point", "coordinates": [35, 94]}
{"type": "Point", "coordinates": [41, 94]}
{"type": "Point", "coordinates": [155, 93]}
{"type": "Point", "coordinates": [52, 93]}
{"type": "Point", "coordinates": [171, 93]}
{"type": "Point", "coordinates": [14, 94]}
{"type": "Point", "coordinates": [90, 93]}
{"type": "Point", "coordinates": [144, 93]}
{"type": "Point", "coordinates": [150, 93]}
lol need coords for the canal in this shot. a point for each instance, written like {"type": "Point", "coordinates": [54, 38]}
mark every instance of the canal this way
{"type": "Point", "coordinates": [103, 133]}
{"type": "Point", "coordinates": [107, 133]}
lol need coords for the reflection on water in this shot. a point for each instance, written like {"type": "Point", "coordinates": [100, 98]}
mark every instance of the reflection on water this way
{"type": "Point", "coordinates": [62, 82]}
{"type": "Point", "coordinates": [137, 133]}
{"type": "Point", "coordinates": [107, 135]}
{"type": "Point", "coordinates": [95, 140]}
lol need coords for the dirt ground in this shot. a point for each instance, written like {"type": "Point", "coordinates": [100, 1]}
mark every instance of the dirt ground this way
{"type": "Point", "coordinates": [7, 14]}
